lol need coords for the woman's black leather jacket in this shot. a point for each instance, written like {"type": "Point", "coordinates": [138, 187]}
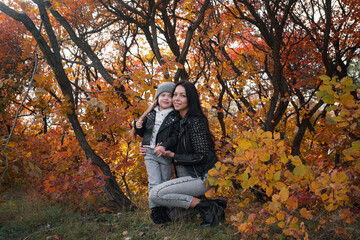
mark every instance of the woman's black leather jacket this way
{"type": "Point", "coordinates": [193, 149]}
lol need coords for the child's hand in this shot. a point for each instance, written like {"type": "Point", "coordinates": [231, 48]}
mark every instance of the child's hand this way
{"type": "Point", "coordinates": [161, 151]}
{"type": "Point", "coordinates": [227, 161]}
{"type": "Point", "coordinates": [139, 123]}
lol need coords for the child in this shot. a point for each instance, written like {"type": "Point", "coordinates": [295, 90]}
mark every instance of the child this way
{"type": "Point", "coordinates": [159, 126]}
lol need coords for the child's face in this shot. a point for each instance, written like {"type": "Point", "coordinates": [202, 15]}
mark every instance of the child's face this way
{"type": "Point", "coordinates": [165, 100]}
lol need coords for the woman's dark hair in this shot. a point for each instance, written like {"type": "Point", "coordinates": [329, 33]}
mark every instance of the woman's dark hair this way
{"type": "Point", "coordinates": [194, 105]}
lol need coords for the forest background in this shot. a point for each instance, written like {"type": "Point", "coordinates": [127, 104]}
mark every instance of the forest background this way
{"type": "Point", "coordinates": [279, 81]}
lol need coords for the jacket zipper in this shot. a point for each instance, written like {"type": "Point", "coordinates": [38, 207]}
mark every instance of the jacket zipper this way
{"type": "Point", "coordinates": [197, 175]}
{"type": "Point", "coordinates": [185, 145]}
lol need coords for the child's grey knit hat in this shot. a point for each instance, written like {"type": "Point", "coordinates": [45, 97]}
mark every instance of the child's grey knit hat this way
{"type": "Point", "coordinates": [165, 87]}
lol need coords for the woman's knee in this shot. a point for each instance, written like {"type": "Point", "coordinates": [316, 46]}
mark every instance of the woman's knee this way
{"type": "Point", "coordinates": [154, 193]}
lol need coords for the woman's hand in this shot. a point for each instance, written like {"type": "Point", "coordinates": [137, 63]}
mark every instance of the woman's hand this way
{"type": "Point", "coordinates": [142, 150]}
{"type": "Point", "coordinates": [169, 154]}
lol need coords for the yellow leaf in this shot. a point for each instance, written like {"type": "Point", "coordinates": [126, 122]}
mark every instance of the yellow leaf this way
{"type": "Point", "coordinates": [324, 196]}
{"type": "Point", "coordinates": [225, 183]}
{"type": "Point", "coordinates": [212, 181]}
{"type": "Point", "coordinates": [277, 176]}
{"type": "Point", "coordinates": [341, 197]}
{"type": "Point", "coordinates": [274, 207]}
{"type": "Point", "coordinates": [294, 220]}
{"type": "Point", "coordinates": [281, 224]}
{"type": "Point", "coordinates": [283, 158]}
{"type": "Point", "coordinates": [331, 207]}
{"type": "Point", "coordinates": [339, 177]}
{"type": "Point", "coordinates": [280, 216]}
{"type": "Point", "coordinates": [270, 220]}
{"type": "Point", "coordinates": [246, 201]}
{"type": "Point", "coordinates": [267, 135]}
{"type": "Point", "coordinates": [218, 166]}
{"type": "Point", "coordinates": [279, 185]}
{"type": "Point", "coordinates": [69, 70]}
{"type": "Point", "coordinates": [269, 190]}
{"type": "Point", "coordinates": [348, 100]}
{"type": "Point", "coordinates": [306, 214]}
{"type": "Point", "coordinates": [284, 194]}
{"type": "Point", "coordinates": [275, 197]}
{"type": "Point", "coordinates": [316, 187]}
{"type": "Point", "coordinates": [253, 180]}
{"type": "Point", "coordinates": [296, 161]}
{"type": "Point", "coordinates": [292, 203]}
{"type": "Point", "coordinates": [346, 81]}
{"type": "Point", "coordinates": [288, 232]}
{"type": "Point", "coordinates": [264, 157]}
{"type": "Point", "coordinates": [11, 144]}
{"type": "Point", "coordinates": [213, 172]}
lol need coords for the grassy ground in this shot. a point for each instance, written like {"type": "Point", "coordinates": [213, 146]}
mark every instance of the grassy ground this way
{"type": "Point", "coordinates": [29, 218]}
{"type": "Point", "coordinates": [26, 218]}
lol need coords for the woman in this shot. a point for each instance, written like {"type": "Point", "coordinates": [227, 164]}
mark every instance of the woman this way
{"type": "Point", "coordinates": [193, 157]}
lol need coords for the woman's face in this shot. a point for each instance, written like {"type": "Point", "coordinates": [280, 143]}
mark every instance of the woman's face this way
{"type": "Point", "coordinates": [180, 100]}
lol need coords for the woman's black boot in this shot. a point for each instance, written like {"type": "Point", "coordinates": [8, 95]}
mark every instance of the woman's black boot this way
{"type": "Point", "coordinates": [211, 212]}
{"type": "Point", "coordinates": [222, 202]}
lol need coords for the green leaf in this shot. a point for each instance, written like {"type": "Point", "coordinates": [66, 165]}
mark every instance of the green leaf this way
{"type": "Point", "coordinates": [349, 87]}
{"type": "Point", "coordinates": [244, 176]}
{"type": "Point", "coordinates": [283, 158]}
{"type": "Point", "coordinates": [356, 145]}
{"type": "Point", "coordinates": [226, 183]}
{"type": "Point", "coordinates": [277, 176]}
{"type": "Point", "coordinates": [326, 79]}
{"type": "Point", "coordinates": [300, 170]}
{"type": "Point", "coordinates": [346, 81]}
{"type": "Point", "coordinates": [326, 97]}
{"type": "Point", "coordinates": [296, 161]}
{"type": "Point", "coordinates": [331, 120]}
{"type": "Point", "coordinates": [212, 181]}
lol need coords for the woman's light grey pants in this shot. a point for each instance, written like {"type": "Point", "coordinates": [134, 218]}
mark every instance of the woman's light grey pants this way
{"type": "Point", "coordinates": [178, 192]}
